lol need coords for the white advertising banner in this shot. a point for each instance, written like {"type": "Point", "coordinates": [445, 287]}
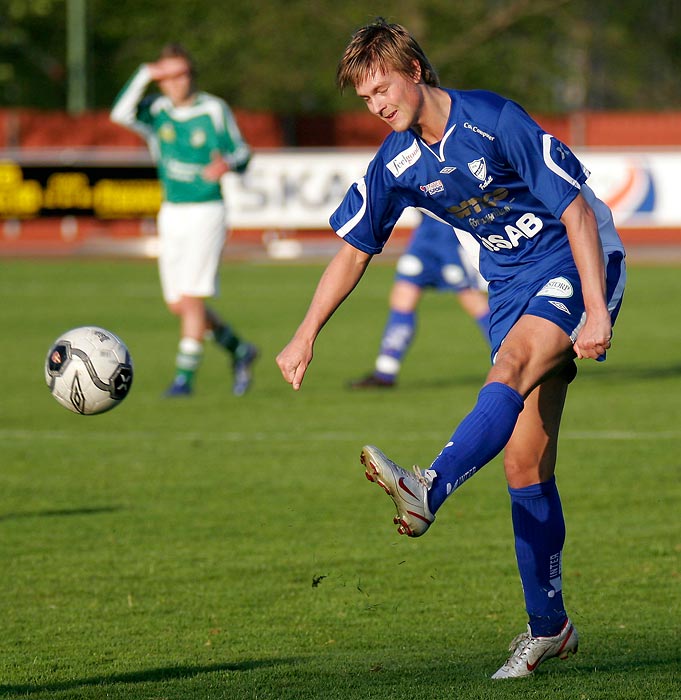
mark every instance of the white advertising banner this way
{"type": "Point", "coordinates": [639, 187]}
{"type": "Point", "coordinates": [295, 189]}
{"type": "Point", "coordinates": [299, 189]}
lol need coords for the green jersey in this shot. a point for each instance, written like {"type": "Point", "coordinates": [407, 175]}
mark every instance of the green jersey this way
{"type": "Point", "coordinates": [182, 140]}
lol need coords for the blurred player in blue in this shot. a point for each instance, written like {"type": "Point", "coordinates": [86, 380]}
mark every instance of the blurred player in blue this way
{"type": "Point", "coordinates": [519, 203]}
{"type": "Point", "coordinates": [433, 259]}
{"type": "Point", "coordinates": [195, 140]}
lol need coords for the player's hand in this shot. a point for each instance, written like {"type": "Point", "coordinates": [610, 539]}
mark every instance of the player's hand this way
{"type": "Point", "coordinates": [293, 362]}
{"type": "Point", "coordinates": [216, 168]}
{"type": "Point", "coordinates": [594, 337]}
{"type": "Point", "coordinates": [171, 67]}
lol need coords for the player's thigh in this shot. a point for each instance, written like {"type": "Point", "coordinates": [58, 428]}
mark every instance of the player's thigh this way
{"type": "Point", "coordinates": [171, 237]}
{"type": "Point", "coordinates": [534, 349]}
{"type": "Point", "coordinates": [199, 236]}
{"type": "Point", "coordinates": [530, 455]}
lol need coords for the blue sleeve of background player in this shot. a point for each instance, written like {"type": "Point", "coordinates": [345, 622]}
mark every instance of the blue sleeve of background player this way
{"type": "Point", "coordinates": [548, 167]}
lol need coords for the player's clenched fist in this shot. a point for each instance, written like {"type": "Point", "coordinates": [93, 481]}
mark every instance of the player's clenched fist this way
{"type": "Point", "coordinates": [293, 361]}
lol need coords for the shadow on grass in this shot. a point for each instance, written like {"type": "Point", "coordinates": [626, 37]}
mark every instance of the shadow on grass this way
{"type": "Point", "coordinates": [151, 675]}
{"type": "Point", "coordinates": [414, 386]}
{"type": "Point", "coordinates": [59, 513]}
{"type": "Point", "coordinates": [644, 372]}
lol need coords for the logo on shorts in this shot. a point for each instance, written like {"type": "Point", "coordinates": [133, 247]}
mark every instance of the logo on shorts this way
{"type": "Point", "coordinates": [560, 306]}
{"type": "Point", "coordinates": [557, 287]}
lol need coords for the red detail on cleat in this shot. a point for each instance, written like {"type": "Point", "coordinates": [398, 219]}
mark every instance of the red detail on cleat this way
{"type": "Point", "coordinates": [565, 641]}
{"type": "Point", "coordinates": [419, 516]}
{"type": "Point", "coordinates": [404, 488]}
{"type": "Point", "coordinates": [560, 654]}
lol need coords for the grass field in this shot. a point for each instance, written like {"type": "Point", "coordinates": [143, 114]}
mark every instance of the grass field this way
{"type": "Point", "coordinates": [224, 548]}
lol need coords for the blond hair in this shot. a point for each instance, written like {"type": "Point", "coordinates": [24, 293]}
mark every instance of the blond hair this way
{"type": "Point", "coordinates": [382, 47]}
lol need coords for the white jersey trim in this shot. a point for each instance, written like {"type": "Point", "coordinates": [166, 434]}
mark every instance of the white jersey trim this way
{"type": "Point", "coordinates": [346, 228]}
{"type": "Point", "coordinates": [552, 165]}
{"type": "Point", "coordinates": [441, 155]}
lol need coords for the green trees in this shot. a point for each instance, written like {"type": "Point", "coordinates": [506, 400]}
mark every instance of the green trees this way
{"type": "Point", "coordinates": [281, 55]}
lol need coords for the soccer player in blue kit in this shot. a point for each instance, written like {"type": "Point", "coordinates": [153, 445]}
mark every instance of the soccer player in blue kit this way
{"type": "Point", "coordinates": [432, 259]}
{"type": "Point", "coordinates": [518, 201]}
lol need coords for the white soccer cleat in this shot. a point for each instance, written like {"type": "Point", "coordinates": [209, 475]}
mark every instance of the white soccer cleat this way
{"type": "Point", "coordinates": [529, 651]}
{"type": "Point", "coordinates": [409, 490]}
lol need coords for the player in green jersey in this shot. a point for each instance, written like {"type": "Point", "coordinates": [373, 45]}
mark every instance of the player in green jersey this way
{"type": "Point", "coordinates": [194, 140]}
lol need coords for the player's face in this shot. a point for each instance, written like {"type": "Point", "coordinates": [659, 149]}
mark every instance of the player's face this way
{"type": "Point", "coordinates": [179, 85]}
{"type": "Point", "coordinates": [395, 98]}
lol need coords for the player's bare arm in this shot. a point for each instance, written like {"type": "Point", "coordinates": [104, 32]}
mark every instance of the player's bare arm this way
{"type": "Point", "coordinates": [170, 67]}
{"type": "Point", "coordinates": [580, 221]}
{"type": "Point", "coordinates": [217, 167]}
{"type": "Point", "coordinates": [338, 280]}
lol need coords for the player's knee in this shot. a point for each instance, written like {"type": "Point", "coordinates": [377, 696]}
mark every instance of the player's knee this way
{"type": "Point", "coordinates": [175, 307]}
{"type": "Point", "coordinates": [514, 469]}
{"type": "Point", "coordinates": [509, 366]}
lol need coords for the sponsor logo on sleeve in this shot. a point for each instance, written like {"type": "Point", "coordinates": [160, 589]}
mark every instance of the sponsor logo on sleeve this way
{"type": "Point", "coordinates": [403, 161]}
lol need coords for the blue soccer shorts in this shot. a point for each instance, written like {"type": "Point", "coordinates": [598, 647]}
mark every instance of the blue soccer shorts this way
{"type": "Point", "coordinates": [558, 299]}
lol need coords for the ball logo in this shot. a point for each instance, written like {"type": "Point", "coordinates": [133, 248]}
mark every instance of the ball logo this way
{"type": "Point", "coordinates": [57, 358]}
{"type": "Point", "coordinates": [77, 396]}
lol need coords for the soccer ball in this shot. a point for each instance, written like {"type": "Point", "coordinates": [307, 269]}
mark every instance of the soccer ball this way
{"type": "Point", "coordinates": [88, 370]}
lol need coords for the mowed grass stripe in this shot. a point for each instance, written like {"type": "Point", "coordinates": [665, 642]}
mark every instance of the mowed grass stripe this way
{"type": "Point", "coordinates": [29, 435]}
{"type": "Point", "coordinates": [229, 549]}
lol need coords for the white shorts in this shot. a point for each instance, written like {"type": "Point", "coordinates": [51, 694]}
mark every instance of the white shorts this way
{"type": "Point", "coordinates": [191, 238]}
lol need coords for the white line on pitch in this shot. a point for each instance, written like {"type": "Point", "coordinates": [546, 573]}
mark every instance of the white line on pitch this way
{"type": "Point", "coordinates": [18, 434]}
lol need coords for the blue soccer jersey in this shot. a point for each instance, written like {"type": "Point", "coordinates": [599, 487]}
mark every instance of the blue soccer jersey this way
{"type": "Point", "coordinates": [496, 176]}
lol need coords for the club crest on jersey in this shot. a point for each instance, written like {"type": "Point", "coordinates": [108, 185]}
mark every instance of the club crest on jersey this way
{"type": "Point", "coordinates": [478, 169]}
{"type": "Point", "coordinates": [404, 160]}
{"type": "Point", "coordinates": [197, 138]}
{"type": "Point", "coordinates": [558, 287]}
{"type": "Point", "coordinates": [433, 188]}
{"type": "Point", "coordinates": [167, 132]}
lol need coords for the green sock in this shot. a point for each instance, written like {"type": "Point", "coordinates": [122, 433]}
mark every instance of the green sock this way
{"type": "Point", "coordinates": [187, 360]}
{"type": "Point", "coordinates": [226, 338]}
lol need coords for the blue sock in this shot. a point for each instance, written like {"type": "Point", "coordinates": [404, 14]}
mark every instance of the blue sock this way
{"type": "Point", "coordinates": [397, 336]}
{"type": "Point", "coordinates": [539, 530]}
{"type": "Point", "coordinates": [480, 437]}
{"type": "Point", "coordinates": [483, 325]}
